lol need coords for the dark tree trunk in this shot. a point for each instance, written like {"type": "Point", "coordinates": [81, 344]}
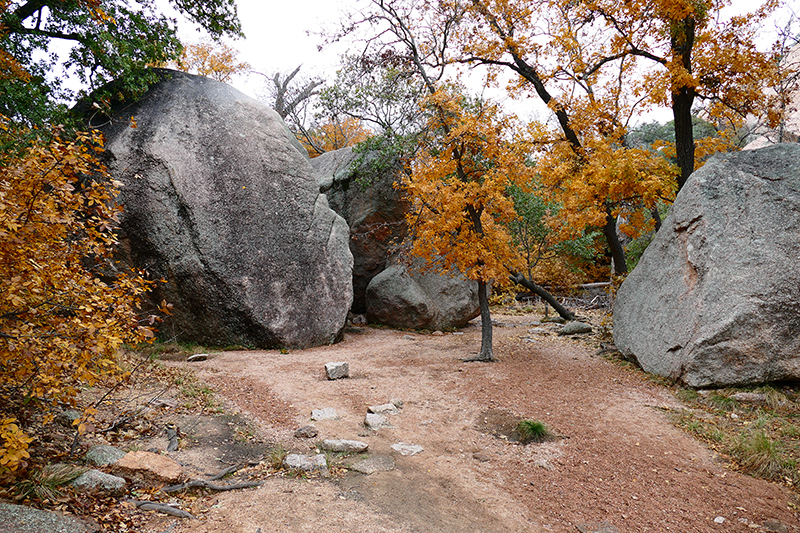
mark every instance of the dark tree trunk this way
{"type": "Point", "coordinates": [656, 216]}
{"type": "Point", "coordinates": [486, 354]}
{"type": "Point", "coordinates": [617, 252]}
{"type": "Point", "coordinates": [516, 277]}
{"type": "Point", "coordinates": [684, 135]}
{"type": "Point", "coordinates": [682, 42]}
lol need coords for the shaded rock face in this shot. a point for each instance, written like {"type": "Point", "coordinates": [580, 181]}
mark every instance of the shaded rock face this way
{"type": "Point", "coordinates": [375, 212]}
{"type": "Point", "coordinates": [220, 201]}
{"type": "Point", "coordinates": [715, 299]}
{"type": "Point", "coordinates": [402, 297]}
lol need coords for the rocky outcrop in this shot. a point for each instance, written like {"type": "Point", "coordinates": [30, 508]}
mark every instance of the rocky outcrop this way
{"type": "Point", "coordinates": [404, 297]}
{"type": "Point", "coordinates": [715, 299]}
{"type": "Point", "coordinates": [220, 202]}
{"type": "Point", "coordinates": [373, 208]}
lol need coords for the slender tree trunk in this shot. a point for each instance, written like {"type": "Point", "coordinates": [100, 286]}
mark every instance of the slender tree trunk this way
{"type": "Point", "coordinates": [486, 354]}
{"type": "Point", "coordinates": [617, 252]}
{"type": "Point", "coordinates": [656, 217]}
{"type": "Point", "coordinates": [516, 277]}
{"type": "Point", "coordinates": [682, 42]}
{"type": "Point", "coordinates": [684, 135]}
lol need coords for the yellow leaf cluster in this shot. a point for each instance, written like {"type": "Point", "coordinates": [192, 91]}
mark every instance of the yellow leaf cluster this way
{"type": "Point", "coordinates": [213, 60]}
{"type": "Point", "coordinates": [457, 187]}
{"type": "Point", "coordinates": [65, 309]}
{"type": "Point", "coordinates": [14, 449]}
{"type": "Point", "coordinates": [334, 135]}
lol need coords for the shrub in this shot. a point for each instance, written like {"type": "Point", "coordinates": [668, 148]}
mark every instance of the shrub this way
{"type": "Point", "coordinates": [65, 308]}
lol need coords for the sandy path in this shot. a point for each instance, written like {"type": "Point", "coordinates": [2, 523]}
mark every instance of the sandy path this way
{"type": "Point", "coordinates": [621, 465]}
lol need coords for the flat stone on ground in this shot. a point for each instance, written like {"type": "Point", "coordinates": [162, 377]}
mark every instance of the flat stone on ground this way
{"type": "Point", "coordinates": [307, 463]}
{"type": "Point", "coordinates": [148, 467]}
{"type": "Point", "coordinates": [328, 413]}
{"type": "Point", "coordinates": [376, 463]}
{"type": "Point", "coordinates": [407, 449]}
{"type": "Point", "coordinates": [341, 445]}
{"type": "Point", "coordinates": [384, 409]}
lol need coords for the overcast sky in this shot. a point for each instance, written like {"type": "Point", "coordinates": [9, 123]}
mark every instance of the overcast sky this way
{"type": "Point", "coordinates": [282, 35]}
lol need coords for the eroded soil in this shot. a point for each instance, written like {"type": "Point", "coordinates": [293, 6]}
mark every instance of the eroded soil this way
{"type": "Point", "coordinates": [616, 463]}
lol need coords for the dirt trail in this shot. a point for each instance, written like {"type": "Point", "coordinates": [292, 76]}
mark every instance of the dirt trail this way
{"type": "Point", "coordinates": [618, 466]}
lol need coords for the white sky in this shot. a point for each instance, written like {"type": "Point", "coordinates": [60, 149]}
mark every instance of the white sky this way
{"type": "Point", "coordinates": [278, 39]}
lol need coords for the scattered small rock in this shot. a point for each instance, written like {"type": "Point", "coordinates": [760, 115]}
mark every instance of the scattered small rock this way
{"type": "Point", "coordinates": [95, 479]}
{"type": "Point", "coordinates": [328, 413]}
{"type": "Point", "coordinates": [197, 357]}
{"type": "Point", "coordinates": [539, 331]}
{"type": "Point", "coordinates": [775, 526]}
{"type": "Point", "coordinates": [750, 397]}
{"type": "Point", "coordinates": [384, 409]}
{"type": "Point", "coordinates": [67, 417]}
{"type": "Point", "coordinates": [102, 455]}
{"type": "Point", "coordinates": [375, 421]}
{"type": "Point", "coordinates": [407, 449]}
{"type": "Point", "coordinates": [575, 328]}
{"type": "Point", "coordinates": [376, 463]}
{"type": "Point", "coordinates": [719, 520]}
{"type": "Point", "coordinates": [337, 370]}
{"type": "Point", "coordinates": [437, 333]}
{"type": "Point", "coordinates": [347, 446]}
{"type": "Point", "coordinates": [409, 338]}
{"type": "Point", "coordinates": [602, 527]}
{"type": "Point", "coordinates": [150, 468]}
{"type": "Point", "coordinates": [306, 432]}
{"type": "Point", "coordinates": [307, 463]}
{"type": "Point", "coordinates": [481, 457]}
{"type": "Point", "coordinates": [397, 402]}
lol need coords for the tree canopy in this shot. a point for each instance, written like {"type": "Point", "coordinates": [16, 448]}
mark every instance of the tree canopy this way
{"type": "Point", "coordinates": [49, 45]}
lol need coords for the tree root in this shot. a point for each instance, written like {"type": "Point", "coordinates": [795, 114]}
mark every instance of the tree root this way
{"type": "Point", "coordinates": [162, 508]}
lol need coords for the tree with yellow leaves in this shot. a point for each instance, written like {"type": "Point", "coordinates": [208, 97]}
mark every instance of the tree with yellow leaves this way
{"type": "Point", "coordinates": [333, 135]}
{"type": "Point", "coordinates": [458, 189]}
{"type": "Point", "coordinates": [217, 61]}
{"type": "Point", "coordinates": [64, 307]}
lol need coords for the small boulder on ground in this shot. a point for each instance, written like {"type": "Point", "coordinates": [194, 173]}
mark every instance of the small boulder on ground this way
{"type": "Point", "coordinates": [102, 455]}
{"type": "Point", "coordinates": [407, 449]}
{"type": "Point", "coordinates": [403, 297]}
{"type": "Point", "coordinates": [337, 370]}
{"type": "Point", "coordinates": [149, 468]}
{"type": "Point", "coordinates": [375, 421]}
{"type": "Point", "coordinates": [306, 432]}
{"type": "Point", "coordinates": [307, 463]}
{"type": "Point", "coordinates": [575, 328]}
{"type": "Point", "coordinates": [94, 480]}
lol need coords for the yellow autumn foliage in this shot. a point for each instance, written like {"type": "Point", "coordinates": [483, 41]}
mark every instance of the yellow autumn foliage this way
{"type": "Point", "coordinates": [65, 309]}
{"type": "Point", "coordinates": [458, 187]}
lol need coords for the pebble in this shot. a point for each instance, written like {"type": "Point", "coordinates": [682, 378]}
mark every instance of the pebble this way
{"type": "Point", "coordinates": [306, 432]}
{"type": "Point", "coordinates": [342, 445]}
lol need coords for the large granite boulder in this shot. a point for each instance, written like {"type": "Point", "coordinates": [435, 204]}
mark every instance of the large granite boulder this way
{"type": "Point", "coordinates": [715, 299]}
{"type": "Point", "coordinates": [361, 190]}
{"type": "Point", "coordinates": [405, 297]}
{"type": "Point", "coordinates": [220, 201]}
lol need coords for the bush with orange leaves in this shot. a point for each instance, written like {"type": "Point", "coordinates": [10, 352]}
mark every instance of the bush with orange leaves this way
{"type": "Point", "coordinates": [64, 307]}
